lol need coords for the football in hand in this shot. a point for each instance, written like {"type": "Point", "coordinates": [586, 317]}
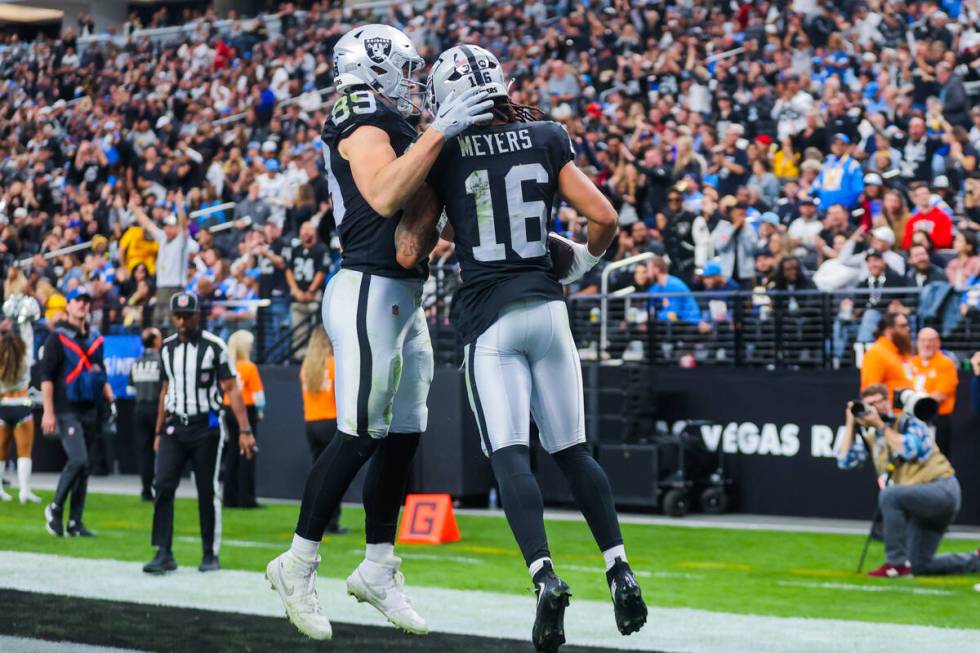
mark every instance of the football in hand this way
{"type": "Point", "coordinates": [561, 253]}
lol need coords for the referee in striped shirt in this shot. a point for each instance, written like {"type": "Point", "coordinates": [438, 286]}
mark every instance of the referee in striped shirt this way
{"type": "Point", "coordinates": [198, 370]}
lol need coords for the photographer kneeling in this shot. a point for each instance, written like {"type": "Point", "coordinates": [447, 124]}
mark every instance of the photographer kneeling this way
{"type": "Point", "coordinates": [920, 495]}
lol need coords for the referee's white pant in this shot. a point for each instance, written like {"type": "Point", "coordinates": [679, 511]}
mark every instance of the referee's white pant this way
{"type": "Point", "coordinates": [382, 353]}
{"type": "Point", "coordinates": [525, 364]}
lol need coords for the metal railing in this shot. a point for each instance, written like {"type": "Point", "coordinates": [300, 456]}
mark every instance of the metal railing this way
{"type": "Point", "coordinates": [604, 291]}
{"type": "Point", "coordinates": [773, 329]}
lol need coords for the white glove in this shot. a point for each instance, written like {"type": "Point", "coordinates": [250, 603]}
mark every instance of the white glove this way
{"type": "Point", "coordinates": [582, 263]}
{"type": "Point", "coordinates": [458, 114]}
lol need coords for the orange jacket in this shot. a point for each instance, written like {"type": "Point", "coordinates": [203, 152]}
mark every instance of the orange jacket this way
{"type": "Point", "coordinates": [884, 363]}
{"type": "Point", "coordinates": [938, 375]}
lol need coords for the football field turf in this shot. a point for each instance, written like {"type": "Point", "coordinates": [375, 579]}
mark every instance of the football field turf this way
{"type": "Point", "coordinates": [755, 572]}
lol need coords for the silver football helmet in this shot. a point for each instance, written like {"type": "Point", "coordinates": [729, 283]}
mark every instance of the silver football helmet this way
{"type": "Point", "coordinates": [460, 68]}
{"type": "Point", "coordinates": [384, 59]}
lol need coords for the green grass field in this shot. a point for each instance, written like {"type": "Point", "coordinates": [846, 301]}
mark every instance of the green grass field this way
{"type": "Point", "coordinates": [748, 572]}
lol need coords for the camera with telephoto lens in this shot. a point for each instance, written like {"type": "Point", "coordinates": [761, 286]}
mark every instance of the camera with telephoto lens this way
{"type": "Point", "coordinates": [858, 408]}
{"type": "Point", "coordinates": [918, 404]}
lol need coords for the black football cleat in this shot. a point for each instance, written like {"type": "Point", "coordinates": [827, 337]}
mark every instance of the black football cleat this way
{"type": "Point", "coordinates": [631, 611]}
{"type": "Point", "coordinates": [53, 520]}
{"type": "Point", "coordinates": [549, 621]}
{"type": "Point", "coordinates": [162, 562]}
{"type": "Point", "coordinates": [77, 529]}
{"type": "Point", "coordinates": [209, 563]}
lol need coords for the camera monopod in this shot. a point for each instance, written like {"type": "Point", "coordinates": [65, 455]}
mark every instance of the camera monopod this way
{"type": "Point", "coordinates": [867, 540]}
{"type": "Point", "coordinates": [877, 513]}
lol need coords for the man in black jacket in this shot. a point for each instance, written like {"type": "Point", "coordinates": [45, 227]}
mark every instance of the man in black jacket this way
{"type": "Point", "coordinates": [73, 383]}
{"type": "Point", "coordinates": [921, 270]}
{"type": "Point", "coordinates": [956, 104]}
{"type": "Point", "coordinates": [145, 380]}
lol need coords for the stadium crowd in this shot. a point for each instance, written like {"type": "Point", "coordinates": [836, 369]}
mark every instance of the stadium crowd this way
{"type": "Point", "coordinates": [786, 145]}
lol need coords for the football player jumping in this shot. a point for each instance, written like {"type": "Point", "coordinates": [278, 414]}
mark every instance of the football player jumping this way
{"type": "Point", "coordinates": [497, 183]}
{"type": "Point", "coordinates": [371, 312]}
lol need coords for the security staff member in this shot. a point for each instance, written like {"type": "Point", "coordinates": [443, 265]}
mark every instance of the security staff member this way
{"type": "Point", "coordinates": [145, 379]}
{"type": "Point", "coordinates": [198, 369]}
{"type": "Point", "coordinates": [73, 382]}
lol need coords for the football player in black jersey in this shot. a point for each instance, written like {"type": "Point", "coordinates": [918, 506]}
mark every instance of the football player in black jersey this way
{"type": "Point", "coordinates": [497, 184]}
{"type": "Point", "coordinates": [371, 312]}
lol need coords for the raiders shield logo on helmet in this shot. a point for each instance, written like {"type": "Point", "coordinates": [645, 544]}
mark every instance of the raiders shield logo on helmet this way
{"type": "Point", "coordinates": [378, 49]}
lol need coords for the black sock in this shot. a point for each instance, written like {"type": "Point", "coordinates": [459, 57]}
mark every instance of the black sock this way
{"type": "Point", "coordinates": [593, 496]}
{"type": "Point", "coordinates": [522, 501]}
{"type": "Point", "coordinates": [384, 486]}
{"type": "Point", "coordinates": [329, 479]}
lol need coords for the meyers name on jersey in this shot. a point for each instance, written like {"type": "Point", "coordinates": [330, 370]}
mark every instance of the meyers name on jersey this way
{"type": "Point", "coordinates": [494, 144]}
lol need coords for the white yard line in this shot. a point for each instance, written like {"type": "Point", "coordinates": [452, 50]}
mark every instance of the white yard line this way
{"type": "Point", "coordinates": [901, 589]}
{"type": "Point", "coordinates": [480, 613]}
{"type": "Point", "coordinates": [130, 485]}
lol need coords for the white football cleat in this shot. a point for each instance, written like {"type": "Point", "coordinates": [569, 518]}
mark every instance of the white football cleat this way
{"type": "Point", "coordinates": [3, 494]}
{"type": "Point", "coordinates": [295, 582]}
{"type": "Point", "coordinates": [383, 586]}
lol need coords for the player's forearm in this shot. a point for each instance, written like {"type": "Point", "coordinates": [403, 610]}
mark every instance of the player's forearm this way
{"type": "Point", "coordinates": [601, 235]}
{"type": "Point", "coordinates": [393, 185]}
{"type": "Point", "coordinates": [417, 231]}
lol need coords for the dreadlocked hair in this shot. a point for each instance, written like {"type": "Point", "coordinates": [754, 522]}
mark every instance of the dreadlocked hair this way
{"type": "Point", "coordinates": [509, 111]}
{"type": "Point", "coordinates": [12, 350]}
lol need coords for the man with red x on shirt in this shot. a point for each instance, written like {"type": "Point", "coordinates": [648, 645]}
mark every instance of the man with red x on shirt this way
{"type": "Point", "coordinates": [73, 384]}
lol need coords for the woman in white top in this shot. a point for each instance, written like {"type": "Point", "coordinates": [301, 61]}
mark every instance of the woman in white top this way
{"type": "Point", "coordinates": [16, 353]}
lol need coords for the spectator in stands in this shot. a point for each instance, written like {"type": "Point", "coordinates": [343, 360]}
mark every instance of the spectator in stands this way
{"type": "Point", "coordinates": [929, 217]}
{"type": "Point", "coordinates": [175, 246]}
{"type": "Point", "coordinates": [317, 376]}
{"type": "Point", "coordinates": [966, 264]}
{"type": "Point", "coordinates": [735, 244]}
{"type": "Point", "coordinates": [841, 179]}
{"type": "Point", "coordinates": [804, 229]}
{"type": "Point", "coordinates": [239, 477]}
{"type": "Point", "coordinates": [935, 374]}
{"type": "Point", "coordinates": [918, 150]}
{"type": "Point", "coordinates": [921, 496]}
{"type": "Point", "coordinates": [921, 270]}
{"type": "Point", "coordinates": [952, 94]}
{"type": "Point", "coordinates": [672, 299]}
{"type": "Point", "coordinates": [306, 274]}
{"type": "Point", "coordinates": [886, 361]}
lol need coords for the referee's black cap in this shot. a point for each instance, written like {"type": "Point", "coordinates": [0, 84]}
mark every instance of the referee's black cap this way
{"type": "Point", "coordinates": [184, 303]}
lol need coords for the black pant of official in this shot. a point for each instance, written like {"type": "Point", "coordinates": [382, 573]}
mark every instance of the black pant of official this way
{"type": "Point", "coordinates": [145, 426]}
{"type": "Point", "coordinates": [319, 433]}
{"type": "Point", "coordinates": [199, 444]}
{"type": "Point", "coordinates": [239, 488]}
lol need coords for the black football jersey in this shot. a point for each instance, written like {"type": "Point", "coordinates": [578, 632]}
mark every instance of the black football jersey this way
{"type": "Point", "coordinates": [498, 185]}
{"type": "Point", "coordinates": [367, 239]}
